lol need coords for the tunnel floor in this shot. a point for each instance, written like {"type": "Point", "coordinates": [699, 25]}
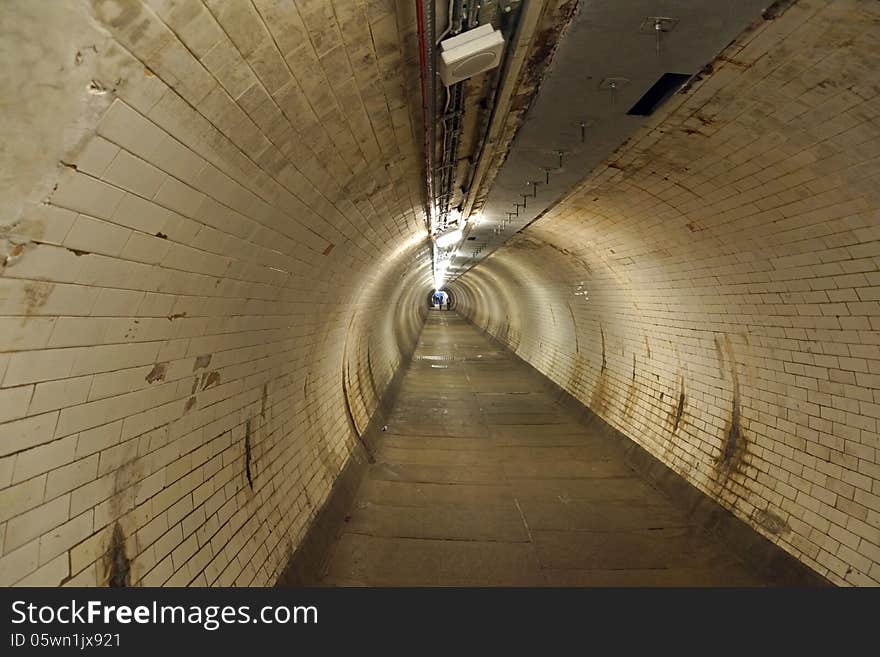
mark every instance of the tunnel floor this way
{"type": "Point", "coordinates": [482, 478]}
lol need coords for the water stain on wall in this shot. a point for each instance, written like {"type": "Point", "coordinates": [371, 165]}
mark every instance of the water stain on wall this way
{"type": "Point", "coordinates": [599, 397]}
{"type": "Point", "coordinates": [247, 454]}
{"type": "Point", "coordinates": [311, 411]}
{"type": "Point", "coordinates": [370, 376]}
{"type": "Point", "coordinates": [35, 296]}
{"type": "Point", "coordinates": [577, 345]}
{"type": "Point", "coordinates": [347, 397]}
{"type": "Point", "coordinates": [122, 500]}
{"type": "Point", "coordinates": [576, 373]}
{"type": "Point", "coordinates": [734, 445]}
{"type": "Point", "coordinates": [679, 409]}
{"type": "Point", "coordinates": [117, 565]}
{"type": "Point", "coordinates": [632, 393]}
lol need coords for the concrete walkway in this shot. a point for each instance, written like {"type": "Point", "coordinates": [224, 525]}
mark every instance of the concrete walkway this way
{"type": "Point", "coordinates": [483, 479]}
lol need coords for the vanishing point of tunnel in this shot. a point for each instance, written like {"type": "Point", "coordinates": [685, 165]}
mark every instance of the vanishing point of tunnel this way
{"type": "Point", "coordinates": [417, 293]}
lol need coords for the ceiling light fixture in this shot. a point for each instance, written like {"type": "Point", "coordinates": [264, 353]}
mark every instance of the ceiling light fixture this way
{"type": "Point", "coordinates": [658, 25]}
{"type": "Point", "coordinates": [470, 53]}
{"type": "Point", "coordinates": [612, 85]}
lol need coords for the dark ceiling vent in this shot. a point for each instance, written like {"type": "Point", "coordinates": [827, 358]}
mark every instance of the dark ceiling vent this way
{"type": "Point", "coordinates": [654, 97]}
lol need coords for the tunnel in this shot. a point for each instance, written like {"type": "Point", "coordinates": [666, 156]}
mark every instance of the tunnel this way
{"type": "Point", "coordinates": [223, 222]}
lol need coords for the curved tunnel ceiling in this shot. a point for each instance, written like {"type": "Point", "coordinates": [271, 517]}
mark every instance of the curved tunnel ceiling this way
{"type": "Point", "coordinates": [600, 45]}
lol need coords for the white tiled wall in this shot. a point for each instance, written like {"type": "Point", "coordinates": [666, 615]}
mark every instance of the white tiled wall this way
{"type": "Point", "coordinates": [234, 253]}
{"type": "Point", "coordinates": [730, 253]}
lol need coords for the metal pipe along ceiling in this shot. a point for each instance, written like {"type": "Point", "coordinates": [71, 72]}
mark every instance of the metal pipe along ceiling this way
{"type": "Point", "coordinates": [425, 13]}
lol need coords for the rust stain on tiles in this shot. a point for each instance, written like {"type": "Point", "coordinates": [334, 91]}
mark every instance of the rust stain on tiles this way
{"type": "Point", "coordinates": [210, 379]}
{"type": "Point", "coordinates": [157, 373]}
{"type": "Point", "coordinates": [117, 565]}
{"type": "Point", "coordinates": [36, 295]}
